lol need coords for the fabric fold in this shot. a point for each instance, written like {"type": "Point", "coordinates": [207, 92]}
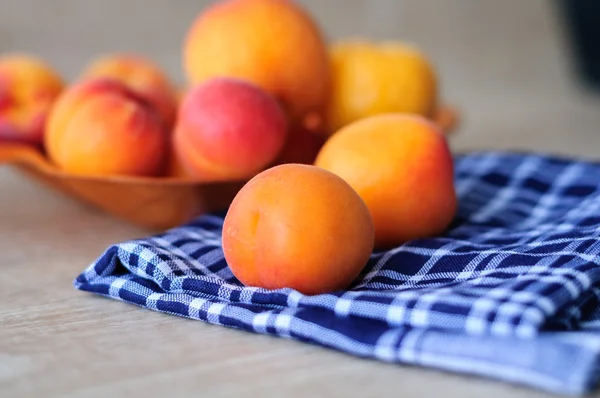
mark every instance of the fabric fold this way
{"type": "Point", "coordinates": [510, 291]}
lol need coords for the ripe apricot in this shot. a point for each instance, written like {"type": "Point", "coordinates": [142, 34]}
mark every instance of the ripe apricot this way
{"type": "Point", "coordinates": [141, 75]}
{"type": "Point", "coordinates": [28, 88]}
{"type": "Point", "coordinates": [371, 78]}
{"type": "Point", "coordinates": [228, 129]}
{"type": "Point", "coordinates": [401, 166]}
{"type": "Point", "coordinates": [175, 168]}
{"type": "Point", "coordinates": [302, 145]}
{"type": "Point", "coordinates": [300, 227]}
{"type": "Point", "coordinates": [275, 44]}
{"type": "Point", "coordinates": [101, 127]}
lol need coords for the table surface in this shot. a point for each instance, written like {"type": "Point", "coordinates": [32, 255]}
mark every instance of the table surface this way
{"type": "Point", "coordinates": [513, 88]}
{"type": "Point", "coordinates": [59, 342]}
{"type": "Point", "coordinates": [56, 341]}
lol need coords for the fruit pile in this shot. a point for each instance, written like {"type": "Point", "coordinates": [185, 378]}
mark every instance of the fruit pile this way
{"type": "Point", "coordinates": [337, 141]}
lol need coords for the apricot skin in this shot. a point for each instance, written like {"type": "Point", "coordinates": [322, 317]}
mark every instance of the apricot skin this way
{"type": "Point", "coordinates": [101, 127]}
{"type": "Point", "coordinates": [300, 227]}
{"type": "Point", "coordinates": [401, 166]}
{"type": "Point", "coordinates": [372, 78]}
{"type": "Point", "coordinates": [228, 129]}
{"type": "Point", "coordinates": [141, 75]}
{"type": "Point", "coordinates": [28, 88]}
{"type": "Point", "coordinates": [275, 44]}
{"type": "Point", "coordinates": [302, 146]}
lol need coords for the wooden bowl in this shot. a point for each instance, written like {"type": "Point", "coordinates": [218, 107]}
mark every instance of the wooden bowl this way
{"type": "Point", "coordinates": [153, 203]}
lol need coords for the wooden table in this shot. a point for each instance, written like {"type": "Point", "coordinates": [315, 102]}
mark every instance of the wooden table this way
{"type": "Point", "coordinates": [56, 341]}
{"type": "Point", "coordinates": [501, 62]}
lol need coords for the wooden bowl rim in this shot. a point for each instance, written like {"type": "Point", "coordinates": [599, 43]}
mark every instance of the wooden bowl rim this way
{"type": "Point", "coordinates": [28, 156]}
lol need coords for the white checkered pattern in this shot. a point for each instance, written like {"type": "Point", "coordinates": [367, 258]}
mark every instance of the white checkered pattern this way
{"type": "Point", "coordinates": [511, 291]}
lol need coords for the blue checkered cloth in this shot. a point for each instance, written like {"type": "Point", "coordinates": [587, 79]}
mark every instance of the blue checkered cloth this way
{"type": "Point", "coordinates": [510, 292]}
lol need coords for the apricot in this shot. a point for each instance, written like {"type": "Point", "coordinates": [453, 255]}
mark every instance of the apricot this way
{"type": "Point", "coordinates": [102, 127]}
{"type": "Point", "coordinates": [175, 167]}
{"type": "Point", "coordinates": [141, 75]}
{"type": "Point", "coordinates": [275, 44]}
{"type": "Point", "coordinates": [371, 78]}
{"type": "Point", "coordinates": [302, 145]}
{"type": "Point", "coordinates": [28, 88]}
{"type": "Point", "coordinates": [182, 92]}
{"type": "Point", "coordinates": [228, 129]}
{"type": "Point", "coordinates": [401, 165]}
{"type": "Point", "coordinates": [300, 227]}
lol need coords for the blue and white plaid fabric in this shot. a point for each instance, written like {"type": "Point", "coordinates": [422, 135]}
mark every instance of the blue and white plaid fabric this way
{"type": "Point", "coordinates": [511, 291]}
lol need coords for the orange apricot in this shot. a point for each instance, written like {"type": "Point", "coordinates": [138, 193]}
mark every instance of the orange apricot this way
{"type": "Point", "coordinates": [28, 88]}
{"type": "Point", "coordinates": [175, 167]}
{"type": "Point", "coordinates": [275, 44]}
{"type": "Point", "coordinates": [402, 167]}
{"type": "Point", "coordinates": [300, 227]}
{"type": "Point", "coordinates": [371, 78]}
{"type": "Point", "coordinates": [101, 127]}
{"type": "Point", "coordinates": [141, 75]}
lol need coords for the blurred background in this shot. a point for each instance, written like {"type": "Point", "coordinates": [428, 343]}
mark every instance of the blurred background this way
{"type": "Point", "coordinates": [511, 65]}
